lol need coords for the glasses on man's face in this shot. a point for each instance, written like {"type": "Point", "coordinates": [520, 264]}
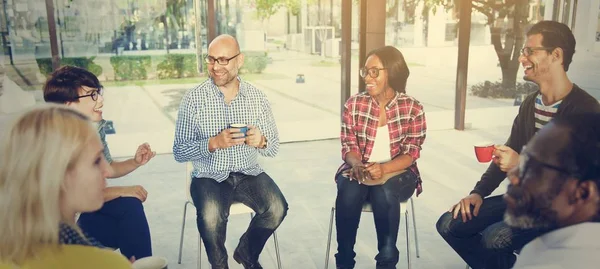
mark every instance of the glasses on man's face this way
{"type": "Point", "coordinates": [221, 60]}
{"type": "Point", "coordinates": [93, 94]}
{"type": "Point", "coordinates": [372, 72]}
{"type": "Point", "coordinates": [527, 161]}
{"type": "Point", "coordinates": [526, 51]}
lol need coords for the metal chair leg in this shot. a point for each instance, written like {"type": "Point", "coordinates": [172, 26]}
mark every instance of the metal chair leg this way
{"type": "Point", "coordinates": [277, 250]}
{"type": "Point", "coordinates": [329, 238]}
{"type": "Point", "coordinates": [414, 219]}
{"type": "Point", "coordinates": [407, 240]}
{"type": "Point", "coordinates": [276, 245]}
{"type": "Point", "coordinates": [182, 230]}
{"type": "Point", "coordinates": [199, 251]}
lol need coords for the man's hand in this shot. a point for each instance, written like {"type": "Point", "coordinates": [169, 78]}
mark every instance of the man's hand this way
{"type": "Point", "coordinates": [375, 170]}
{"type": "Point", "coordinates": [226, 138]}
{"type": "Point", "coordinates": [505, 157]}
{"type": "Point", "coordinates": [136, 191]}
{"type": "Point", "coordinates": [464, 207]}
{"type": "Point", "coordinates": [143, 154]}
{"type": "Point", "coordinates": [254, 137]}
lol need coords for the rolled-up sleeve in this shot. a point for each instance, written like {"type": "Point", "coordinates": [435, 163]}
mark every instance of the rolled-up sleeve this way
{"type": "Point", "coordinates": [268, 127]}
{"type": "Point", "coordinates": [347, 135]}
{"type": "Point", "coordinates": [416, 132]}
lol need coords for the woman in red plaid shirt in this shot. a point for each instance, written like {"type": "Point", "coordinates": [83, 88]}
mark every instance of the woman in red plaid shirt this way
{"type": "Point", "coordinates": [382, 132]}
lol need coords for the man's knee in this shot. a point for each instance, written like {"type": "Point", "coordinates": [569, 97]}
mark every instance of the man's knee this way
{"type": "Point", "coordinates": [209, 216]}
{"type": "Point", "coordinates": [443, 224]}
{"type": "Point", "coordinates": [278, 210]}
{"type": "Point", "coordinates": [497, 238]}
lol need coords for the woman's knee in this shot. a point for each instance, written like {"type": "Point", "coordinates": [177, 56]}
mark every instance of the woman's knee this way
{"type": "Point", "coordinates": [131, 206]}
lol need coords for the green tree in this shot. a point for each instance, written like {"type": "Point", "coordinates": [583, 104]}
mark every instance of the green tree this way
{"type": "Point", "coordinates": [267, 8]}
{"type": "Point", "coordinates": [507, 20]}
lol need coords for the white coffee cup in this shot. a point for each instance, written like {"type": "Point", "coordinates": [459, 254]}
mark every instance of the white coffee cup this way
{"type": "Point", "coordinates": [151, 262]}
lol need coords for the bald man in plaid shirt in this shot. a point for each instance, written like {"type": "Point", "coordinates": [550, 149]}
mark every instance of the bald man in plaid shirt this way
{"type": "Point", "coordinates": [225, 159]}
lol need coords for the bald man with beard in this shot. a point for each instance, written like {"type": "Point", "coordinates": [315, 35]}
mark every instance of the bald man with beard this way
{"type": "Point", "coordinates": [225, 159]}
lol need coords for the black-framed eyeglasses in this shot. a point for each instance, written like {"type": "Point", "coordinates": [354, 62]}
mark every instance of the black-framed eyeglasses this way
{"type": "Point", "coordinates": [526, 51]}
{"type": "Point", "coordinates": [221, 60]}
{"type": "Point", "coordinates": [93, 94]}
{"type": "Point", "coordinates": [526, 161]}
{"type": "Point", "coordinates": [372, 72]}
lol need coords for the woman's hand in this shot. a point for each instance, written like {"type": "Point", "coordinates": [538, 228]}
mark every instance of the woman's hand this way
{"type": "Point", "coordinates": [375, 170]}
{"type": "Point", "coordinates": [358, 172]}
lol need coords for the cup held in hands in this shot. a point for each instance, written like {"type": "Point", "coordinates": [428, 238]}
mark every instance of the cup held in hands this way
{"type": "Point", "coordinates": [151, 262]}
{"type": "Point", "coordinates": [243, 127]}
{"type": "Point", "coordinates": [483, 151]}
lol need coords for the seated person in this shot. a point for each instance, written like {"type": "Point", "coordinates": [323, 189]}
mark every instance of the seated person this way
{"type": "Point", "coordinates": [473, 227]}
{"type": "Point", "coordinates": [121, 222]}
{"type": "Point", "coordinates": [52, 167]}
{"type": "Point", "coordinates": [225, 159]}
{"type": "Point", "coordinates": [556, 186]}
{"type": "Point", "coordinates": [383, 129]}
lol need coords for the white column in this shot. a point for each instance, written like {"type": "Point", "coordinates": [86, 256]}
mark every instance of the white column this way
{"type": "Point", "coordinates": [436, 33]}
{"type": "Point", "coordinates": [418, 28]}
{"type": "Point", "coordinates": [549, 9]}
{"type": "Point", "coordinates": [586, 23]}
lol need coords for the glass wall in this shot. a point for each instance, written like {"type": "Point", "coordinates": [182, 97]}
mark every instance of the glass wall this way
{"type": "Point", "coordinates": [146, 52]}
{"type": "Point", "coordinates": [428, 37]}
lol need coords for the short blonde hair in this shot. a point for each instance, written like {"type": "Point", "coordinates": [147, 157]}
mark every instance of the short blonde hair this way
{"type": "Point", "coordinates": [36, 152]}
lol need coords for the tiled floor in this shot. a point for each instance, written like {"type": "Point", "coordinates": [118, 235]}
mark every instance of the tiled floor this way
{"type": "Point", "coordinates": [304, 172]}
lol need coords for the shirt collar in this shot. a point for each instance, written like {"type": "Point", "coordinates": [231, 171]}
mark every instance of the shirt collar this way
{"type": "Point", "coordinates": [70, 236]}
{"type": "Point", "coordinates": [393, 101]}
{"type": "Point", "coordinates": [101, 124]}
{"type": "Point", "coordinates": [242, 87]}
{"type": "Point", "coordinates": [574, 236]}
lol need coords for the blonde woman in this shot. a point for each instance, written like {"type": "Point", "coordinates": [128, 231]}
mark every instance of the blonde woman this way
{"type": "Point", "coordinates": [52, 166]}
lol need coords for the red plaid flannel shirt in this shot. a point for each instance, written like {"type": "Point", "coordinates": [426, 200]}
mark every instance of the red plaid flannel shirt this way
{"type": "Point", "coordinates": [406, 124]}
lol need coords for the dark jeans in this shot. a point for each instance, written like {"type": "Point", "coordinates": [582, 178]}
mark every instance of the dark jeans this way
{"type": "Point", "coordinates": [120, 224]}
{"type": "Point", "coordinates": [213, 200]}
{"type": "Point", "coordinates": [385, 200]}
{"type": "Point", "coordinates": [485, 241]}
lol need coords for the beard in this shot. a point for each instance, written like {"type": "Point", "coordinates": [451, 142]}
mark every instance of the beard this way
{"type": "Point", "coordinates": [223, 80]}
{"type": "Point", "coordinates": [530, 212]}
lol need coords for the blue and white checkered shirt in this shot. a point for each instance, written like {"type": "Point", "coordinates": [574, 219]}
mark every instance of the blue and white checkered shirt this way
{"type": "Point", "coordinates": [203, 113]}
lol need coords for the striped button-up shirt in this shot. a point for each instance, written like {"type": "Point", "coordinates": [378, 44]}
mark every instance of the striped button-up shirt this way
{"type": "Point", "coordinates": [405, 121]}
{"type": "Point", "coordinates": [203, 113]}
{"type": "Point", "coordinates": [102, 134]}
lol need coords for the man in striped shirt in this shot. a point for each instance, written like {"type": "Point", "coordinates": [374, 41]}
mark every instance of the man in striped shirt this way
{"type": "Point", "coordinates": [226, 168]}
{"type": "Point", "coordinates": [479, 235]}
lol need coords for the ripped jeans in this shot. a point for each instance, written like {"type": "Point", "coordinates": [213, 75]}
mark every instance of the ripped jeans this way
{"type": "Point", "coordinates": [213, 200]}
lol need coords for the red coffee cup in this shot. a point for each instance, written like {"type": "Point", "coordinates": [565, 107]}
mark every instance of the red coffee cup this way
{"type": "Point", "coordinates": [483, 152]}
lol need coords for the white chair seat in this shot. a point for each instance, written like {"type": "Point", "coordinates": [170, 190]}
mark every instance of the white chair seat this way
{"type": "Point", "coordinates": [368, 208]}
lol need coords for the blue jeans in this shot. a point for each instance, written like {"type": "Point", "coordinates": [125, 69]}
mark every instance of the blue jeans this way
{"type": "Point", "coordinates": [385, 200]}
{"type": "Point", "coordinates": [485, 241]}
{"type": "Point", "coordinates": [120, 224]}
{"type": "Point", "coordinates": [213, 200]}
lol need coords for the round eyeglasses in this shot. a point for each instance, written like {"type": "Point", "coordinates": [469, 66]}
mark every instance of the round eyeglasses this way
{"type": "Point", "coordinates": [93, 94]}
{"type": "Point", "coordinates": [372, 72]}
